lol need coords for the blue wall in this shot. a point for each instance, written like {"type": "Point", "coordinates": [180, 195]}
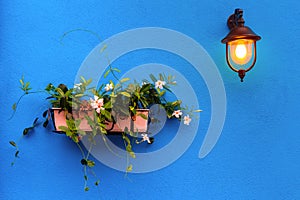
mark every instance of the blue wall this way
{"type": "Point", "coordinates": [257, 156]}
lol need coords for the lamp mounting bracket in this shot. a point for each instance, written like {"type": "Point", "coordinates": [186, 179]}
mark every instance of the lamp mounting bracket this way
{"type": "Point", "coordinates": [236, 19]}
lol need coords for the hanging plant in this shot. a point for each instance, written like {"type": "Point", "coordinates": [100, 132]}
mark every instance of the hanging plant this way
{"type": "Point", "coordinates": [113, 107]}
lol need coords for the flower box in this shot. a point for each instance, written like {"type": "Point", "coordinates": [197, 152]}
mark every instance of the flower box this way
{"type": "Point", "coordinates": [137, 123]}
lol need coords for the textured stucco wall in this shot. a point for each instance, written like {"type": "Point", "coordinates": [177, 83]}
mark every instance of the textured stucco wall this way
{"type": "Point", "coordinates": [257, 156]}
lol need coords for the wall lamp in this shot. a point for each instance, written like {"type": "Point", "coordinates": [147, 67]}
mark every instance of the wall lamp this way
{"type": "Point", "coordinates": [240, 45]}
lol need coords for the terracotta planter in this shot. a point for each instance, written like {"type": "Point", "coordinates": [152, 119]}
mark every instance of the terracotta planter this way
{"type": "Point", "coordinates": [59, 119]}
{"type": "Point", "coordinates": [136, 123]}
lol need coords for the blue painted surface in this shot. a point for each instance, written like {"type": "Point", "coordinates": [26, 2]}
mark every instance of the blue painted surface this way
{"type": "Point", "coordinates": [257, 156]}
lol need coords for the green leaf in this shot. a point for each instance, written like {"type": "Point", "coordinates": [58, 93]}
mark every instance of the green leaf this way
{"type": "Point", "coordinates": [77, 123]}
{"type": "Point", "coordinates": [14, 106]}
{"type": "Point", "coordinates": [132, 154]}
{"type": "Point", "coordinates": [143, 116]}
{"type": "Point", "coordinates": [126, 139]}
{"type": "Point", "coordinates": [107, 105]}
{"type": "Point", "coordinates": [86, 189]}
{"type": "Point", "coordinates": [83, 79]}
{"type": "Point", "coordinates": [75, 138]}
{"type": "Point", "coordinates": [124, 80]}
{"type": "Point", "coordinates": [45, 124]}
{"type": "Point", "coordinates": [103, 130]}
{"type": "Point", "coordinates": [13, 143]}
{"type": "Point", "coordinates": [85, 177]}
{"type": "Point", "coordinates": [144, 103]}
{"type": "Point", "coordinates": [162, 93]}
{"type": "Point", "coordinates": [81, 132]}
{"type": "Point", "coordinates": [126, 94]}
{"type": "Point", "coordinates": [35, 121]}
{"type": "Point", "coordinates": [70, 123]}
{"type": "Point", "coordinates": [26, 85]}
{"type": "Point", "coordinates": [25, 131]}
{"type": "Point", "coordinates": [90, 163]}
{"type": "Point", "coordinates": [129, 168]}
{"type": "Point", "coordinates": [22, 80]}
{"type": "Point", "coordinates": [90, 121]}
{"type": "Point", "coordinates": [49, 87]}
{"type": "Point", "coordinates": [45, 113]}
{"type": "Point", "coordinates": [88, 81]}
{"type": "Point", "coordinates": [106, 114]}
{"type": "Point", "coordinates": [106, 73]}
{"type": "Point", "coordinates": [68, 93]}
{"type": "Point", "coordinates": [97, 182]}
{"type": "Point", "coordinates": [63, 128]}
{"type": "Point", "coordinates": [176, 103]}
{"type": "Point", "coordinates": [78, 95]}
{"type": "Point", "coordinates": [17, 153]}
{"type": "Point", "coordinates": [161, 77]}
{"type": "Point", "coordinates": [60, 92]}
{"type": "Point", "coordinates": [198, 110]}
{"type": "Point", "coordinates": [153, 78]}
{"type": "Point", "coordinates": [83, 161]}
{"type": "Point", "coordinates": [103, 48]}
{"type": "Point", "coordinates": [145, 88]}
{"type": "Point", "coordinates": [116, 70]}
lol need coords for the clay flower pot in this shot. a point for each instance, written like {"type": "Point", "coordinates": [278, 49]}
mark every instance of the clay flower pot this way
{"type": "Point", "coordinates": [137, 123]}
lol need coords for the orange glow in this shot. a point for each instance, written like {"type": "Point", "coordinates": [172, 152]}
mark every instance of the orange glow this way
{"type": "Point", "coordinates": [241, 51]}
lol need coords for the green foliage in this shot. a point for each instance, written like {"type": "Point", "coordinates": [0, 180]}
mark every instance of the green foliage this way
{"type": "Point", "coordinates": [88, 163]}
{"type": "Point", "coordinates": [67, 99]}
{"type": "Point", "coordinates": [14, 107]}
{"type": "Point", "coordinates": [170, 107]}
{"type": "Point", "coordinates": [72, 129]}
{"type": "Point", "coordinates": [127, 144]}
{"type": "Point", "coordinates": [16, 155]}
{"type": "Point", "coordinates": [25, 85]}
{"type": "Point", "coordinates": [73, 100]}
{"type": "Point", "coordinates": [129, 168]}
{"type": "Point", "coordinates": [28, 129]}
{"type": "Point", "coordinates": [13, 143]}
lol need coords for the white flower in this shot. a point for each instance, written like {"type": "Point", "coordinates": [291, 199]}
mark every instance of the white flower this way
{"type": "Point", "coordinates": [146, 138]}
{"type": "Point", "coordinates": [187, 120]}
{"type": "Point", "coordinates": [77, 86]}
{"type": "Point", "coordinates": [97, 103]}
{"type": "Point", "coordinates": [177, 113]}
{"type": "Point", "coordinates": [159, 84]}
{"type": "Point", "coordinates": [109, 86]}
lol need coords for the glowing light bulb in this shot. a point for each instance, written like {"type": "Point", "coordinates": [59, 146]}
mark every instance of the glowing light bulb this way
{"type": "Point", "coordinates": [241, 51]}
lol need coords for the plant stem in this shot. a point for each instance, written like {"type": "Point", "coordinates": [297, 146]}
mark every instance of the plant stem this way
{"type": "Point", "coordinates": [79, 29]}
{"type": "Point", "coordinates": [105, 142]}
{"type": "Point", "coordinates": [85, 176]}
{"type": "Point", "coordinates": [17, 149]}
{"type": "Point", "coordinates": [20, 98]}
{"type": "Point", "coordinates": [82, 152]}
{"type": "Point", "coordinates": [127, 157]}
{"type": "Point", "coordinates": [113, 73]}
{"type": "Point", "coordinates": [88, 154]}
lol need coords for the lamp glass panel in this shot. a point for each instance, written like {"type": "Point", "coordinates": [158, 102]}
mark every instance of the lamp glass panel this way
{"type": "Point", "coordinates": [241, 51]}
